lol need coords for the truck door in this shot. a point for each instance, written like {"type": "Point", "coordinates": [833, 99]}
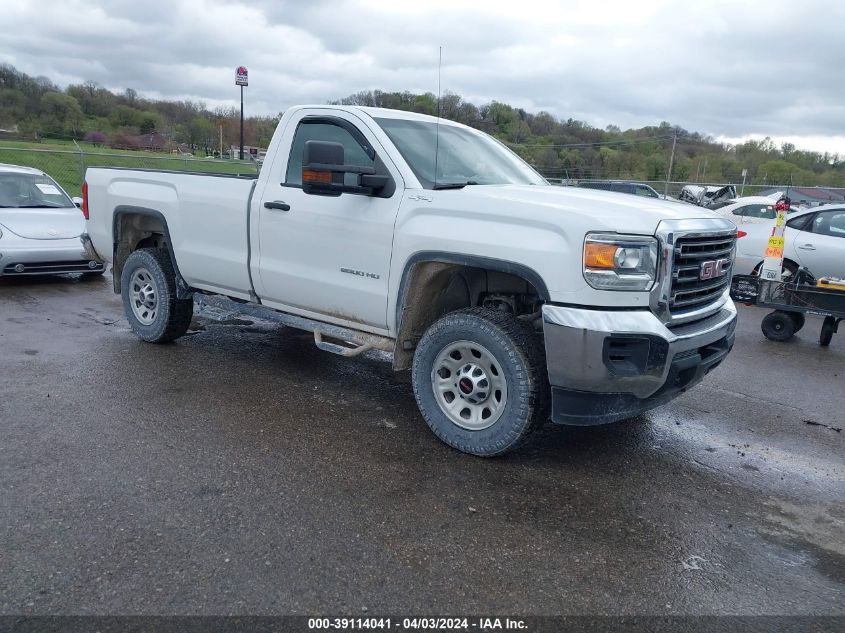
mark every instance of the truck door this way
{"type": "Point", "coordinates": [323, 256]}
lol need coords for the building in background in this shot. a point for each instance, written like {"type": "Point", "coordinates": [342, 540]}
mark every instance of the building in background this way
{"type": "Point", "coordinates": [251, 152]}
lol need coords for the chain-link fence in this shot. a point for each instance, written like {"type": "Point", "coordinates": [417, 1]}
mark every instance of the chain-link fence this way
{"type": "Point", "coordinates": [67, 167]}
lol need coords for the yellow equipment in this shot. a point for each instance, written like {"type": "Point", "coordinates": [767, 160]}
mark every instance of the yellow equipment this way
{"type": "Point", "coordinates": [831, 283]}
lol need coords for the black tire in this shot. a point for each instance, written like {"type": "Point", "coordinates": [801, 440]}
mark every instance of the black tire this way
{"type": "Point", "coordinates": [171, 317]}
{"type": "Point", "coordinates": [828, 329]}
{"type": "Point", "coordinates": [518, 363]}
{"type": "Point", "coordinates": [778, 326]}
{"type": "Point", "coordinates": [798, 321]}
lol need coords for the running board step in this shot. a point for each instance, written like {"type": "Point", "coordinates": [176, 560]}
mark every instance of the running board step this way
{"type": "Point", "coordinates": [338, 348]}
{"type": "Point", "coordinates": [352, 342]}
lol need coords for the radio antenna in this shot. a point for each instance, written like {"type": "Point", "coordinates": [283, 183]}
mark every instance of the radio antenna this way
{"type": "Point", "coordinates": [437, 124]}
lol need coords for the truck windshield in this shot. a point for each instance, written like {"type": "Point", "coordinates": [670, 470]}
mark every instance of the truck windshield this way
{"type": "Point", "coordinates": [464, 156]}
{"type": "Point", "coordinates": [22, 191]}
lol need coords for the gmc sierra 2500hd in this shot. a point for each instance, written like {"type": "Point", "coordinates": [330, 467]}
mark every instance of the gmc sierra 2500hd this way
{"type": "Point", "coordinates": [510, 300]}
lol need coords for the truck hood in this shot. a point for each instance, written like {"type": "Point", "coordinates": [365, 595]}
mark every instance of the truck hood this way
{"type": "Point", "coordinates": [43, 224]}
{"type": "Point", "coordinates": [602, 210]}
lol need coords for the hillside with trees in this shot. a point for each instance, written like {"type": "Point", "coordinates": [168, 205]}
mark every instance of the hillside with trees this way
{"type": "Point", "coordinates": [574, 149]}
{"type": "Point", "coordinates": [35, 108]}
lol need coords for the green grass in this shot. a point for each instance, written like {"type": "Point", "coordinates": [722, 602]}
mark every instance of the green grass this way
{"type": "Point", "coordinates": [62, 161]}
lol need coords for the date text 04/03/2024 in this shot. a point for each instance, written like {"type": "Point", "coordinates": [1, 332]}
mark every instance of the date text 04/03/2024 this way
{"type": "Point", "coordinates": [417, 624]}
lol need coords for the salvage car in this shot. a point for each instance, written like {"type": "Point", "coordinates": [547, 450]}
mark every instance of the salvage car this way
{"type": "Point", "coordinates": [710, 196]}
{"type": "Point", "coordinates": [813, 239]}
{"type": "Point", "coordinates": [40, 227]}
{"type": "Point", "coordinates": [511, 301]}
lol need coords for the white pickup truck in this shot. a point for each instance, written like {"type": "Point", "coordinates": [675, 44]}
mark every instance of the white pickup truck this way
{"type": "Point", "coordinates": [510, 300]}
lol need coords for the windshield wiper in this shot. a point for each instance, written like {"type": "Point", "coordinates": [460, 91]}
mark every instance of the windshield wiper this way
{"type": "Point", "coordinates": [454, 185]}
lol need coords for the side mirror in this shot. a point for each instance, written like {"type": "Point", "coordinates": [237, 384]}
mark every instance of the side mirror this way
{"type": "Point", "coordinates": [77, 201]}
{"type": "Point", "coordinates": [323, 168]}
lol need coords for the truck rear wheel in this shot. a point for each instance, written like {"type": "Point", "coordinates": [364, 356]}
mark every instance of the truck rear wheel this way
{"type": "Point", "coordinates": [148, 288]}
{"type": "Point", "coordinates": [479, 377]}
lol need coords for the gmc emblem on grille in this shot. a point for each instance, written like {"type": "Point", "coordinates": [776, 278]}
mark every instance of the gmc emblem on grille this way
{"type": "Point", "coordinates": [714, 268]}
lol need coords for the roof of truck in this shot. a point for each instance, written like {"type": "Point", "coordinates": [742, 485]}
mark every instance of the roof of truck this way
{"type": "Point", "coordinates": [386, 113]}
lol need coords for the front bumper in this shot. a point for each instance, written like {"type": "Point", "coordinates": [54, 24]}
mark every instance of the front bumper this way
{"type": "Point", "coordinates": [20, 256]}
{"type": "Point", "coordinates": [607, 365]}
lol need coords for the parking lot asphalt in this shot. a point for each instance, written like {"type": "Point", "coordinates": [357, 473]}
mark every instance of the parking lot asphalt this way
{"type": "Point", "coordinates": [242, 471]}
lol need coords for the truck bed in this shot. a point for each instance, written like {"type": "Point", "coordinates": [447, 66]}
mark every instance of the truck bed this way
{"type": "Point", "coordinates": [206, 215]}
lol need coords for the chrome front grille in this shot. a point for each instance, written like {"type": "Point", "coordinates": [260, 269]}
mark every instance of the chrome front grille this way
{"type": "Point", "coordinates": [688, 291]}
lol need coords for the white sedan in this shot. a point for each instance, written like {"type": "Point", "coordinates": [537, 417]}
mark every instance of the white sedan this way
{"type": "Point", "coordinates": [751, 210]}
{"type": "Point", "coordinates": [814, 239]}
{"type": "Point", "coordinates": [40, 227]}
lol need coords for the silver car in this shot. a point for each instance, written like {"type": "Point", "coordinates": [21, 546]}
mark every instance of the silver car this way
{"type": "Point", "coordinates": [40, 227]}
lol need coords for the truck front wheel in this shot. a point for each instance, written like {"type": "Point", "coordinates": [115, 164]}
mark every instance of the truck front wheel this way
{"type": "Point", "coordinates": [479, 377]}
{"type": "Point", "coordinates": [148, 288]}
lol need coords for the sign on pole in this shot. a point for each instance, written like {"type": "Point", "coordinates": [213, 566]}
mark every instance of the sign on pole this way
{"type": "Point", "coordinates": [242, 79]}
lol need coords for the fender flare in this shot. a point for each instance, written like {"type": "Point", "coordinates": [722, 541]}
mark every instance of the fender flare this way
{"type": "Point", "coordinates": [476, 261]}
{"type": "Point", "coordinates": [183, 290]}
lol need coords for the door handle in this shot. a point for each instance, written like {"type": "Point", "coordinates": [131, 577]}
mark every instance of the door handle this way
{"type": "Point", "coordinates": [277, 204]}
{"type": "Point", "coordinates": [807, 247]}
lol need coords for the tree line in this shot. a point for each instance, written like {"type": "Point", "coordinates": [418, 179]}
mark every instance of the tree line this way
{"type": "Point", "coordinates": [572, 149]}
{"type": "Point", "coordinates": [35, 107]}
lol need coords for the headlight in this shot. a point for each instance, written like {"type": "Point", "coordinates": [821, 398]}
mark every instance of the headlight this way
{"type": "Point", "coordinates": [620, 262]}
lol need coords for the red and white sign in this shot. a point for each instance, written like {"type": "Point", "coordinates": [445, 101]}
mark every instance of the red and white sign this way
{"type": "Point", "coordinates": [241, 76]}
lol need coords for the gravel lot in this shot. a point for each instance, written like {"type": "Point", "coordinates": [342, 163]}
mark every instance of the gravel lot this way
{"type": "Point", "coordinates": [241, 470]}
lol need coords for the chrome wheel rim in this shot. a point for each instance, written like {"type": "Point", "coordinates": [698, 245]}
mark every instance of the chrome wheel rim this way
{"type": "Point", "coordinates": [143, 296]}
{"type": "Point", "coordinates": [469, 385]}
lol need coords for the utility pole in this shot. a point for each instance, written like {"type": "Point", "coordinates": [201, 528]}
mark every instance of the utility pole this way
{"type": "Point", "coordinates": [221, 141]}
{"type": "Point", "coordinates": [671, 162]}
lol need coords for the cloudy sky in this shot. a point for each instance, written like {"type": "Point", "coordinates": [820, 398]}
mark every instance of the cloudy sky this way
{"type": "Point", "coordinates": [731, 69]}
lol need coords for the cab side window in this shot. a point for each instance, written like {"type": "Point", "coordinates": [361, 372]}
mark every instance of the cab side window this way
{"type": "Point", "coordinates": [354, 153]}
{"type": "Point", "coordinates": [830, 223]}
